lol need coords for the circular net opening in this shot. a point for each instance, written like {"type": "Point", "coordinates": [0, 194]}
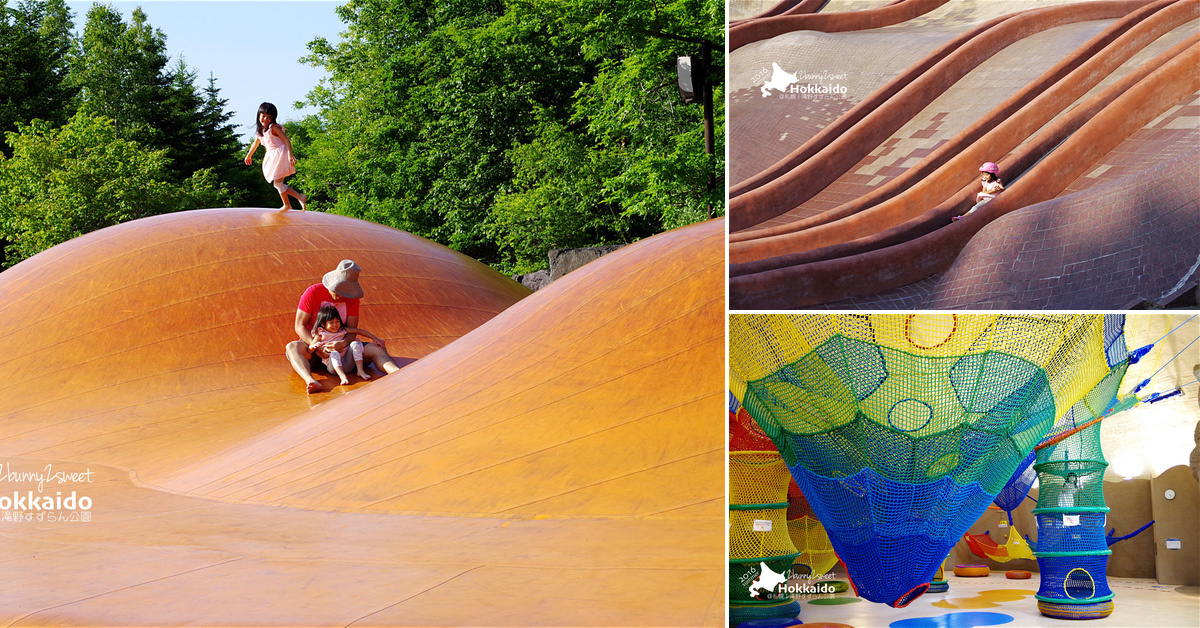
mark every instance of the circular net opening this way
{"type": "Point", "coordinates": [801, 570]}
{"type": "Point", "coordinates": [910, 415]}
{"type": "Point", "coordinates": [1078, 585]}
{"type": "Point", "coordinates": [930, 331]}
{"type": "Point", "coordinates": [907, 598]}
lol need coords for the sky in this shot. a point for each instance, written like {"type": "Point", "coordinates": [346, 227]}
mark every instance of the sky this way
{"type": "Point", "coordinates": [252, 47]}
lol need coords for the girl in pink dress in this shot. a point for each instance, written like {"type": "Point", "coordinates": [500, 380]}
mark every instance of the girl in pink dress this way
{"type": "Point", "coordinates": [279, 161]}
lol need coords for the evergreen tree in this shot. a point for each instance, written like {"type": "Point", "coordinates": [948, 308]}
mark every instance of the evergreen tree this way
{"type": "Point", "coordinates": [121, 72]}
{"type": "Point", "coordinates": [35, 39]}
{"type": "Point", "coordinates": [223, 150]}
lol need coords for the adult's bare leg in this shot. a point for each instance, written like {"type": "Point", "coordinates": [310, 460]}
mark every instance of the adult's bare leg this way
{"type": "Point", "coordinates": [297, 354]}
{"type": "Point", "coordinates": [379, 358]}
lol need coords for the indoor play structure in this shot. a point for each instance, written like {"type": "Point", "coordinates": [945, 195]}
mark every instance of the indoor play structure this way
{"type": "Point", "coordinates": [849, 162]}
{"type": "Point", "coordinates": [554, 458]}
{"type": "Point", "coordinates": [939, 584]}
{"type": "Point", "coordinates": [901, 429]}
{"type": "Point", "coordinates": [1071, 549]}
{"type": "Point", "coordinates": [816, 557]}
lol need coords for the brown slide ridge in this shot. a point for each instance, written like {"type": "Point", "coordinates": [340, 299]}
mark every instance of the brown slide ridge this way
{"type": "Point", "coordinates": [756, 30]}
{"type": "Point", "coordinates": [850, 118]}
{"type": "Point", "coordinates": [147, 344]}
{"type": "Point", "coordinates": [1019, 161]}
{"type": "Point", "coordinates": [785, 7]}
{"type": "Point", "coordinates": [804, 181]}
{"type": "Point", "coordinates": [1086, 250]}
{"type": "Point", "coordinates": [907, 262]}
{"type": "Point", "coordinates": [968, 149]}
{"type": "Point", "coordinates": [588, 398]}
{"type": "Point", "coordinates": [940, 155]}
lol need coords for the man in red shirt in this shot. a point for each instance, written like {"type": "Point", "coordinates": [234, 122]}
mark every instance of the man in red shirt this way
{"type": "Point", "coordinates": [340, 288]}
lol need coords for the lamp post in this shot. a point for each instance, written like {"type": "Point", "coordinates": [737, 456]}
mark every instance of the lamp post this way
{"type": "Point", "coordinates": [695, 85]}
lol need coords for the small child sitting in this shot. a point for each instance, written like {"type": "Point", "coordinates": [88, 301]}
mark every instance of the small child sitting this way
{"type": "Point", "coordinates": [327, 332]}
{"type": "Point", "coordinates": [991, 187]}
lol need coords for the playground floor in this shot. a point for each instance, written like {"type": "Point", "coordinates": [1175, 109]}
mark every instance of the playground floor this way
{"type": "Point", "coordinates": [997, 601]}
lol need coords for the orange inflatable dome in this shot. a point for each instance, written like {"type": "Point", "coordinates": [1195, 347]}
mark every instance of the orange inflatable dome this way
{"type": "Point", "coordinates": [544, 458]}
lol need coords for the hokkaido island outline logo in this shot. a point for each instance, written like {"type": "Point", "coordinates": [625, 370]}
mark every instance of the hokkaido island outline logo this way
{"type": "Point", "coordinates": [789, 86]}
{"type": "Point", "coordinates": [766, 582]}
{"type": "Point", "coordinates": [780, 80]}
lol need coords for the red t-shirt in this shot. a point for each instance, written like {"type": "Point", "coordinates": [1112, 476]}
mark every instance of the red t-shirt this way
{"type": "Point", "coordinates": [318, 295]}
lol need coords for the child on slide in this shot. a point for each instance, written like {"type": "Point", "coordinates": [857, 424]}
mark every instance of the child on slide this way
{"type": "Point", "coordinates": [327, 331]}
{"type": "Point", "coordinates": [279, 162]}
{"type": "Point", "coordinates": [991, 187]}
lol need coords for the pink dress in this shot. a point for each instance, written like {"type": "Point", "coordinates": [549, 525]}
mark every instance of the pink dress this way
{"type": "Point", "coordinates": [278, 162]}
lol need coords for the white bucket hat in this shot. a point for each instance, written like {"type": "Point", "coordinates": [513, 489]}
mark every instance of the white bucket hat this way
{"type": "Point", "coordinates": [343, 281]}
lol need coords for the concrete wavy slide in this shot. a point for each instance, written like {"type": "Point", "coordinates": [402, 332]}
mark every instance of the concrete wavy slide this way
{"type": "Point", "coordinates": [1067, 121]}
{"type": "Point", "coordinates": [541, 459]}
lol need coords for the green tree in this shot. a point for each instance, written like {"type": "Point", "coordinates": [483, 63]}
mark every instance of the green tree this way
{"type": "Point", "coordinates": [124, 74]}
{"type": "Point", "coordinates": [561, 200]}
{"type": "Point", "coordinates": [121, 71]}
{"type": "Point", "coordinates": [35, 39]}
{"type": "Point", "coordinates": [645, 168]}
{"type": "Point", "coordinates": [505, 128]}
{"type": "Point", "coordinates": [423, 103]}
{"type": "Point", "coordinates": [63, 182]}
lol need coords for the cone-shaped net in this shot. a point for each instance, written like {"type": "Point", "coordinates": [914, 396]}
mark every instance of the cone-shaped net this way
{"type": "Point", "coordinates": [900, 430]}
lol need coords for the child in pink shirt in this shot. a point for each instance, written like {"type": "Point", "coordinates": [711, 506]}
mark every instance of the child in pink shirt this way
{"type": "Point", "coordinates": [990, 179]}
{"type": "Point", "coordinates": [327, 331]}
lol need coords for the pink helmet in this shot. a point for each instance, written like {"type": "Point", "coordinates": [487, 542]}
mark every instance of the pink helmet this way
{"type": "Point", "coordinates": [990, 167]}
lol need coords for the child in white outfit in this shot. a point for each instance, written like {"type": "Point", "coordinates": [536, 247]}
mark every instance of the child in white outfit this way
{"type": "Point", "coordinates": [990, 179]}
{"type": "Point", "coordinates": [327, 331]}
{"type": "Point", "coordinates": [279, 161]}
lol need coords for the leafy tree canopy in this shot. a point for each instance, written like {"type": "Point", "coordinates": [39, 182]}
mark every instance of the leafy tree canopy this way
{"type": "Point", "coordinates": [171, 131]}
{"type": "Point", "coordinates": [61, 183]}
{"type": "Point", "coordinates": [505, 128]}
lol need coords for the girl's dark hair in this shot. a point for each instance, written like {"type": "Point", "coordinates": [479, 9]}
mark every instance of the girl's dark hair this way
{"type": "Point", "coordinates": [268, 109]}
{"type": "Point", "coordinates": [327, 313]}
{"type": "Point", "coordinates": [992, 176]}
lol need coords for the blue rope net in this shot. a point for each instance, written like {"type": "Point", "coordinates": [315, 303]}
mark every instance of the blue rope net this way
{"type": "Point", "coordinates": [1018, 487]}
